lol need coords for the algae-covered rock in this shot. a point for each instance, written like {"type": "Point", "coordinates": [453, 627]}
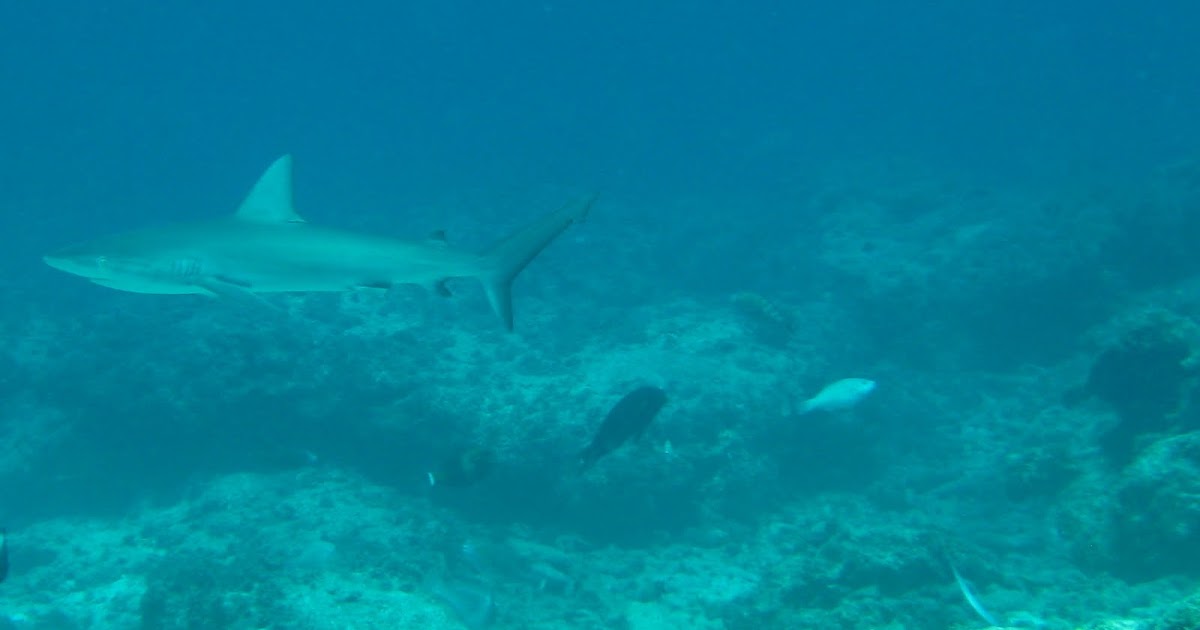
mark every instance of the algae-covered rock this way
{"type": "Point", "coordinates": [197, 592]}
{"type": "Point", "coordinates": [1143, 377]}
{"type": "Point", "coordinates": [1158, 523]}
{"type": "Point", "coordinates": [653, 616]}
{"type": "Point", "coordinates": [1183, 616]}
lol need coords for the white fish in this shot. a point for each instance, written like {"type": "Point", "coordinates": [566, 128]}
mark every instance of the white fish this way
{"type": "Point", "coordinates": [969, 595]}
{"type": "Point", "coordinates": [839, 395]}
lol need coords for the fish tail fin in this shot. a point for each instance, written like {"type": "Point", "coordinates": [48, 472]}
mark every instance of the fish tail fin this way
{"type": "Point", "coordinates": [504, 260]}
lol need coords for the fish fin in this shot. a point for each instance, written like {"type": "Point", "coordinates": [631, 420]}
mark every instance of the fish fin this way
{"type": "Point", "coordinates": [100, 282]}
{"type": "Point", "coordinates": [235, 292]}
{"type": "Point", "coordinates": [507, 258]}
{"type": "Point", "coordinates": [270, 201]}
{"type": "Point", "coordinates": [437, 237]}
{"type": "Point", "coordinates": [440, 287]}
{"type": "Point", "coordinates": [231, 280]}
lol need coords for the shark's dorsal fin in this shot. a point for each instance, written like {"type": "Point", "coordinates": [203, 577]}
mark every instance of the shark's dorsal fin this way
{"type": "Point", "coordinates": [270, 201]}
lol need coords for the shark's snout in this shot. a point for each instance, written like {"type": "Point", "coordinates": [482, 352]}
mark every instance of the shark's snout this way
{"type": "Point", "coordinates": [59, 261]}
{"type": "Point", "coordinates": [56, 261]}
{"type": "Point", "coordinates": [74, 261]}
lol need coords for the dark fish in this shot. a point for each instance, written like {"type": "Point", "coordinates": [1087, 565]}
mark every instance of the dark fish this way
{"type": "Point", "coordinates": [627, 419]}
{"type": "Point", "coordinates": [463, 468]}
{"type": "Point", "coordinates": [3, 554]}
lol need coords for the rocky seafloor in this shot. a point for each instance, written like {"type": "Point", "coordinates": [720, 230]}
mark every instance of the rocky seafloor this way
{"type": "Point", "coordinates": [1034, 430]}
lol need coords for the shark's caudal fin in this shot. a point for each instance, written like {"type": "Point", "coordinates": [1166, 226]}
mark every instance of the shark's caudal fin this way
{"type": "Point", "coordinates": [504, 260]}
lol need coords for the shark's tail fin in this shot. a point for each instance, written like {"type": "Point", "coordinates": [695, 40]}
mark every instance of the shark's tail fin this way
{"type": "Point", "coordinates": [504, 260]}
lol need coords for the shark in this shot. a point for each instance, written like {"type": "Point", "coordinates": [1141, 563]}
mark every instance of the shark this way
{"type": "Point", "coordinates": [266, 247]}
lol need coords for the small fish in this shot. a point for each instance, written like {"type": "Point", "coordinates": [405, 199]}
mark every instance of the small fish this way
{"type": "Point", "coordinates": [463, 468]}
{"type": "Point", "coordinates": [969, 595]}
{"type": "Point", "coordinates": [627, 419]}
{"type": "Point", "coordinates": [839, 395]}
{"type": "Point", "coordinates": [3, 554]}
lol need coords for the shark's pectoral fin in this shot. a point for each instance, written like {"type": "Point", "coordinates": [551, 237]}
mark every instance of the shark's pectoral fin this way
{"type": "Point", "coordinates": [440, 287]}
{"type": "Point", "coordinates": [108, 284]}
{"type": "Point", "coordinates": [234, 291]}
{"type": "Point", "coordinates": [231, 280]}
{"type": "Point", "coordinates": [375, 284]}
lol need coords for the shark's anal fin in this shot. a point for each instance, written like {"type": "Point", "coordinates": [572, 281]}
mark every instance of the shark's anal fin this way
{"type": "Point", "coordinates": [270, 201]}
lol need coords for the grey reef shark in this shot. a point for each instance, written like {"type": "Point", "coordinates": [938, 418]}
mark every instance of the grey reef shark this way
{"type": "Point", "coordinates": [265, 247]}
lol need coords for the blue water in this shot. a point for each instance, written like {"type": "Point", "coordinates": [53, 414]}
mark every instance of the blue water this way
{"type": "Point", "coordinates": [988, 207]}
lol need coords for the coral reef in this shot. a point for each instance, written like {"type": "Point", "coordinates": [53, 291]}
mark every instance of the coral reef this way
{"type": "Point", "coordinates": [223, 472]}
{"type": "Point", "coordinates": [1143, 377]}
{"type": "Point", "coordinates": [1158, 515]}
{"type": "Point", "coordinates": [1018, 273]}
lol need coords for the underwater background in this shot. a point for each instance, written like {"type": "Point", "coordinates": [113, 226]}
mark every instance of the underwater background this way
{"type": "Point", "coordinates": [990, 209]}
